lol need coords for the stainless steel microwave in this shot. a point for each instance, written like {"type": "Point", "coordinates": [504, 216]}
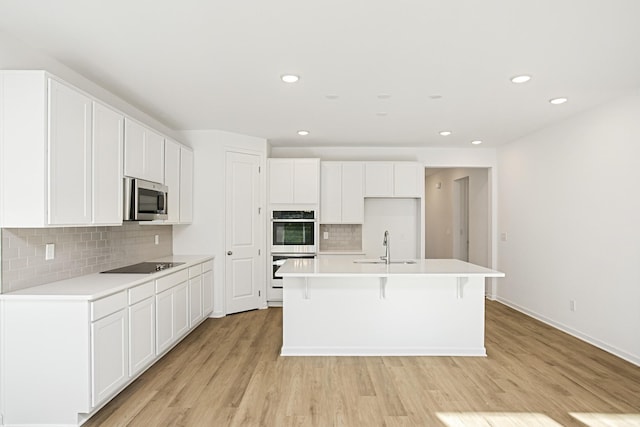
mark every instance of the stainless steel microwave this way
{"type": "Point", "coordinates": [144, 200]}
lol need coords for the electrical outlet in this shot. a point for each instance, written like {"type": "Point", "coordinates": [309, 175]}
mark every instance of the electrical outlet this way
{"type": "Point", "coordinates": [325, 235]}
{"type": "Point", "coordinates": [504, 236]}
{"type": "Point", "coordinates": [156, 239]}
{"type": "Point", "coordinates": [572, 305]}
{"type": "Point", "coordinates": [49, 251]}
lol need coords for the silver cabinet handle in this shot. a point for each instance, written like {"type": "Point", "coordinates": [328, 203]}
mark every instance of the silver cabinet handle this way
{"type": "Point", "coordinates": [229, 253]}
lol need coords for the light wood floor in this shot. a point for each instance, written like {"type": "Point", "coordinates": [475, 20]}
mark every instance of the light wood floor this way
{"type": "Point", "coordinates": [228, 373]}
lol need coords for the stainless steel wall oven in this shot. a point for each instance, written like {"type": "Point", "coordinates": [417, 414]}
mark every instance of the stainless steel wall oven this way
{"type": "Point", "coordinates": [293, 232]}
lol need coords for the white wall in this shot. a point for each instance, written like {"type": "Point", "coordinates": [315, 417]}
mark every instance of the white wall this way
{"type": "Point", "coordinates": [206, 235]}
{"type": "Point", "coordinates": [15, 55]}
{"type": "Point", "coordinates": [439, 214]}
{"type": "Point", "coordinates": [401, 217]}
{"type": "Point", "coordinates": [569, 203]}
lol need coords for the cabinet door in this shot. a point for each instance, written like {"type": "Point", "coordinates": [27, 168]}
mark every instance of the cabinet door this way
{"type": "Point", "coordinates": [195, 300]}
{"type": "Point", "coordinates": [408, 179]}
{"type": "Point", "coordinates": [164, 320]}
{"type": "Point", "coordinates": [143, 152]}
{"type": "Point", "coordinates": [378, 181]}
{"type": "Point", "coordinates": [305, 181]}
{"type": "Point", "coordinates": [352, 193]}
{"type": "Point", "coordinates": [281, 180]}
{"type": "Point", "coordinates": [207, 292]}
{"type": "Point", "coordinates": [180, 309]}
{"type": "Point", "coordinates": [110, 355]}
{"type": "Point", "coordinates": [142, 348]}
{"type": "Point", "coordinates": [154, 157]}
{"type": "Point", "coordinates": [172, 179]}
{"type": "Point", "coordinates": [186, 185]}
{"type": "Point", "coordinates": [331, 192]}
{"type": "Point", "coordinates": [108, 135]}
{"type": "Point", "coordinates": [69, 156]}
{"type": "Point", "coordinates": [134, 136]}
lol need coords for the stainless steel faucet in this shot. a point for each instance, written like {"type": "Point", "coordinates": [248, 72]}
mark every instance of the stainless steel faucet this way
{"type": "Point", "coordinates": [387, 253]}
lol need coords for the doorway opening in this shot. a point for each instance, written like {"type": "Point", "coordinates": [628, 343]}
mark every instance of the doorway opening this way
{"type": "Point", "coordinates": [461, 218]}
{"type": "Point", "coordinates": [458, 214]}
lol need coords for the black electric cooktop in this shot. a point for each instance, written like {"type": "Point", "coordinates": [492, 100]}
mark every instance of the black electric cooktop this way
{"type": "Point", "coordinates": [144, 267]}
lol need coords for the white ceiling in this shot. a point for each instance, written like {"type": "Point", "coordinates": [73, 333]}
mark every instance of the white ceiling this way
{"type": "Point", "coordinates": [211, 64]}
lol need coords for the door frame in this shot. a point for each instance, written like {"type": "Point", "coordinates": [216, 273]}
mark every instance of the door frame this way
{"type": "Point", "coordinates": [461, 218]}
{"type": "Point", "coordinates": [262, 265]}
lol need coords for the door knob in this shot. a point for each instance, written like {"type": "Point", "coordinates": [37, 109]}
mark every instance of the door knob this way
{"type": "Point", "coordinates": [229, 253]}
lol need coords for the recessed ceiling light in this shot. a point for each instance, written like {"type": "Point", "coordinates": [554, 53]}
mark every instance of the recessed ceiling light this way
{"type": "Point", "coordinates": [520, 79]}
{"type": "Point", "coordinates": [381, 113]}
{"type": "Point", "coordinates": [445, 132]}
{"type": "Point", "coordinates": [303, 132]}
{"type": "Point", "coordinates": [384, 96]}
{"type": "Point", "coordinates": [476, 142]}
{"type": "Point", "coordinates": [332, 96]}
{"type": "Point", "coordinates": [435, 96]}
{"type": "Point", "coordinates": [290, 78]}
{"type": "Point", "coordinates": [558, 101]}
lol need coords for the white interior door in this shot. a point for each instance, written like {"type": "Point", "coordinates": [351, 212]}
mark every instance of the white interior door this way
{"type": "Point", "coordinates": [242, 263]}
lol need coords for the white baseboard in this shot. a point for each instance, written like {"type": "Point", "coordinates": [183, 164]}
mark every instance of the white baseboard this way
{"type": "Point", "coordinates": [382, 351]}
{"type": "Point", "coordinates": [564, 328]}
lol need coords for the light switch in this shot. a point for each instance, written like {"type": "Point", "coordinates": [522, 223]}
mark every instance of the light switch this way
{"type": "Point", "coordinates": [49, 251]}
{"type": "Point", "coordinates": [157, 239]}
{"type": "Point", "coordinates": [503, 237]}
{"type": "Point", "coordinates": [325, 235]}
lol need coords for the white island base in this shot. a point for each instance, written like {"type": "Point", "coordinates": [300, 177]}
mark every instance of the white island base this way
{"type": "Point", "coordinates": [382, 311]}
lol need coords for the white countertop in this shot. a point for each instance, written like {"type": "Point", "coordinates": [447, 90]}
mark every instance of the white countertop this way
{"type": "Point", "coordinates": [98, 285]}
{"type": "Point", "coordinates": [347, 268]}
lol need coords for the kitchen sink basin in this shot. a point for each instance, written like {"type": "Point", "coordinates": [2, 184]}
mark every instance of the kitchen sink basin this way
{"type": "Point", "coordinates": [380, 261]}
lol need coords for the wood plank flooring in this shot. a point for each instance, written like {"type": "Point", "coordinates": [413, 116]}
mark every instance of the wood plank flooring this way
{"type": "Point", "coordinates": [228, 372]}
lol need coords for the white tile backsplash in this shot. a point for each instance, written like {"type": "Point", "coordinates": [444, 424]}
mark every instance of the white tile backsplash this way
{"type": "Point", "coordinates": [78, 251]}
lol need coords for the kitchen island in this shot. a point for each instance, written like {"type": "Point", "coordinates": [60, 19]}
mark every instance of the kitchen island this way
{"type": "Point", "coordinates": [432, 307]}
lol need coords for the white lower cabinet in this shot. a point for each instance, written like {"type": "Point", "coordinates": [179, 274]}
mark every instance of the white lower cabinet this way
{"type": "Point", "coordinates": [109, 351]}
{"type": "Point", "coordinates": [207, 288]}
{"type": "Point", "coordinates": [142, 342]}
{"type": "Point", "coordinates": [181, 310]}
{"type": "Point", "coordinates": [172, 309]}
{"type": "Point", "coordinates": [63, 358]}
{"type": "Point", "coordinates": [195, 305]}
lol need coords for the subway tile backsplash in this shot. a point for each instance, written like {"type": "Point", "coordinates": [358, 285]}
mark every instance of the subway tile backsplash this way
{"type": "Point", "coordinates": [342, 237]}
{"type": "Point", "coordinates": [78, 251]}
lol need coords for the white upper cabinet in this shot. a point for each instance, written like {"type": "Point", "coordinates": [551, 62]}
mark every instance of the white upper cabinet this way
{"type": "Point", "coordinates": [60, 155]}
{"type": "Point", "coordinates": [294, 181]}
{"type": "Point", "coordinates": [108, 133]}
{"type": "Point", "coordinates": [143, 152]}
{"type": "Point", "coordinates": [69, 156]}
{"type": "Point", "coordinates": [408, 179]}
{"type": "Point", "coordinates": [172, 179]}
{"type": "Point", "coordinates": [353, 193]}
{"type": "Point", "coordinates": [306, 180]}
{"type": "Point", "coordinates": [63, 155]}
{"type": "Point", "coordinates": [186, 185]}
{"type": "Point", "coordinates": [341, 193]}
{"type": "Point", "coordinates": [378, 180]}
{"type": "Point", "coordinates": [394, 179]}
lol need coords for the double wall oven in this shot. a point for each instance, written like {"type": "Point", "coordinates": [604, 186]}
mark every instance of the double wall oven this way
{"type": "Point", "coordinates": [293, 235]}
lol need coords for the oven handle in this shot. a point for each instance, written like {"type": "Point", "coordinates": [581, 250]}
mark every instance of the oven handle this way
{"type": "Point", "coordinates": [292, 220]}
{"type": "Point", "coordinates": [294, 255]}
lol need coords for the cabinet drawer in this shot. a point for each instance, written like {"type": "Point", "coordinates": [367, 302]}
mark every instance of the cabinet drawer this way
{"type": "Point", "coordinates": [207, 266]}
{"type": "Point", "coordinates": [105, 306]}
{"type": "Point", "coordinates": [194, 271]}
{"type": "Point", "coordinates": [164, 283]}
{"type": "Point", "coordinates": [141, 292]}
